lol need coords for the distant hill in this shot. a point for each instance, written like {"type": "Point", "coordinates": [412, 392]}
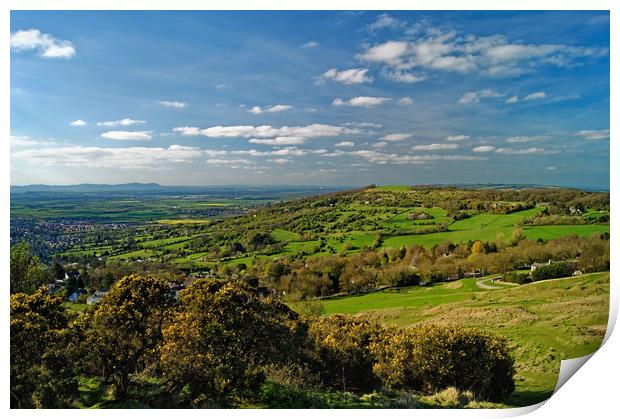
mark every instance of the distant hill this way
{"type": "Point", "coordinates": [87, 187]}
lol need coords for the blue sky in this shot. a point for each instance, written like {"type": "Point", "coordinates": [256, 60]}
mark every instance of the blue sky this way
{"type": "Point", "coordinates": [333, 98]}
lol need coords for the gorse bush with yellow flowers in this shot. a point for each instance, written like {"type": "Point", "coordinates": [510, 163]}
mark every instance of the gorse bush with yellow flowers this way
{"type": "Point", "coordinates": [222, 345]}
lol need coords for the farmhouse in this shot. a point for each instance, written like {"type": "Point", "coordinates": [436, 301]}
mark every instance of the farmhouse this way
{"type": "Point", "coordinates": [537, 265]}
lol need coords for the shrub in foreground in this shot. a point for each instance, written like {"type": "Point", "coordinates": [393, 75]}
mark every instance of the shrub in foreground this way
{"type": "Point", "coordinates": [432, 358]}
{"type": "Point", "coordinates": [220, 339]}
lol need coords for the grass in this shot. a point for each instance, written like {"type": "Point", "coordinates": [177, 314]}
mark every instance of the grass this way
{"type": "Point", "coordinates": [544, 322]}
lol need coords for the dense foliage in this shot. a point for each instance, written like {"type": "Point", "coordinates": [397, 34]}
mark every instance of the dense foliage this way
{"type": "Point", "coordinates": [223, 343]}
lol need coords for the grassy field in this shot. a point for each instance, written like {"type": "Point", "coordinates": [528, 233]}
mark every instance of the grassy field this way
{"type": "Point", "coordinates": [544, 322]}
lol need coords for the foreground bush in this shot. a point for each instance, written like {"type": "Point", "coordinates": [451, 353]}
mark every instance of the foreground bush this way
{"type": "Point", "coordinates": [342, 350]}
{"type": "Point", "coordinates": [432, 358]}
{"type": "Point", "coordinates": [220, 338]}
{"type": "Point", "coordinates": [41, 374]}
{"type": "Point", "coordinates": [120, 335]}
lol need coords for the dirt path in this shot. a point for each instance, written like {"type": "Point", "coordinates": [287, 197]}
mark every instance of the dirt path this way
{"type": "Point", "coordinates": [481, 284]}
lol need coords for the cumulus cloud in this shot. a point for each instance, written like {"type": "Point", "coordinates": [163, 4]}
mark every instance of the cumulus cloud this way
{"type": "Point", "coordinates": [173, 104]}
{"type": "Point", "coordinates": [345, 144]}
{"type": "Point", "coordinates": [531, 96]}
{"type": "Point", "coordinates": [286, 151]}
{"type": "Point", "coordinates": [26, 141]}
{"type": "Point", "coordinates": [78, 123]}
{"type": "Point", "coordinates": [396, 137]}
{"type": "Point", "coordinates": [363, 124]}
{"type": "Point", "coordinates": [402, 76]}
{"type": "Point", "coordinates": [590, 134]}
{"type": "Point", "coordinates": [125, 122]}
{"type": "Point", "coordinates": [531, 150]}
{"type": "Point", "coordinates": [483, 149]}
{"type": "Point", "coordinates": [127, 135]}
{"type": "Point", "coordinates": [228, 162]}
{"type": "Point", "coordinates": [459, 137]}
{"type": "Point", "coordinates": [361, 101]}
{"type": "Point", "coordinates": [309, 45]}
{"type": "Point", "coordinates": [46, 45]}
{"type": "Point", "coordinates": [430, 48]}
{"type": "Point", "coordinates": [291, 140]}
{"type": "Point", "coordinates": [270, 109]}
{"type": "Point", "coordinates": [405, 101]}
{"type": "Point", "coordinates": [385, 21]}
{"type": "Point", "coordinates": [114, 158]}
{"type": "Point", "coordinates": [379, 157]}
{"type": "Point", "coordinates": [435, 146]}
{"type": "Point", "coordinates": [526, 138]}
{"type": "Point", "coordinates": [551, 167]}
{"type": "Point", "coordinates": [390, 53]}
{"type": "Point", "coordinates": [268, 131]}
{"type": "Point", "coordinates": [380, 144]}
{"type": "Point", "coordinates": [476, 96]}
{"type": "Point", "coordinates": [280, 161]}
{"type": "Point", "coordinates": [350, 76]}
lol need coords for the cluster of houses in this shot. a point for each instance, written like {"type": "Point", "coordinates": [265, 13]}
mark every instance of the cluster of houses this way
{"type": "Point", "coordinates": [60, 284]}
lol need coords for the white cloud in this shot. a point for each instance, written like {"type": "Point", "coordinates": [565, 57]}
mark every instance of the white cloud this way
{"type": "Point", "coordinates": [402, 76]}
{"type": "Point", "coordinates": [268, 135]}
{"type": "Point", "coordinates": [526, 139]}
{"type": "Point", "coordinates": [78, 123]}
{"type": "Point", "coordinates": [127, 135]}
{"type": "Point", "coordinates": [271, 109]}
{"type": "Point", "coordinates": [350, 76]}
{"type": "Point", "coordinates": [590, 134]}
{"type": "Point", "coordinates": [281, 161]}
{"type": "Point", "coordinates": [362, 101]}
{"type": "Point", "coordinates": [228, 162]}
{"type": "Point", "coordinates": [430, 48]}
{"type": "Point", "coordinates": [405, 101]}
{"type": "Point", "coordinates": [222, 86]}
{"type": "Point", "coordinates": [125, 122]}
{"type": "Point", "coordinates": [551, 167]}
{"type": "Point", "coordinates": [309, 45]}
{"type": "Point", "coordinates": [395, 137]}
{"type": "Point", "coordinates": [46, 45]}
{"type": "Point", "coordinates": [384, 21]}
{"type": "Point", "coordinates": [531, 96]}
{"type": "Point", "coordinates": [26, 141]}
{"type": "Point", "coordinates": [286, 151]}
{"type": "Point", "coordinates": [436, 146]}
{"type": "Point", "coordinates": [531, 150]}
{"type": "Point", "coordinates": [535, 96]}
{"type": "Point", "coordinates": [389, 53]}
{"type": "Point", "coordinates": [375, 156]}
{"type": "Point", "coordinates": [172, 104]}
{"type": "Point", "coordinates": [345, 144]}
{"type": "Point", "coordinates": [476, 96]}
{"type": "Point", "coordinates": [114, 158]}
{"type": "Point", "coordinates": [459, 137]}
{"type": "Point", "coordinates": [363, 124]}
{"type": "Point", "coordinates": [483, 149]}
{"type": "Point", "coordinates": [380, 144]}
{"type": "Point", "coordinates": [278, 140]}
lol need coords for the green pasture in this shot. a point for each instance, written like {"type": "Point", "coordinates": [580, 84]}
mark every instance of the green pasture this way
{"type": "Point", "coordinates": [544, 322]}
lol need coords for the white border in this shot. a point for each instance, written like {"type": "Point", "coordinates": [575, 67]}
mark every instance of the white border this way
{"type": "Point", "coordinates": [593, 390]}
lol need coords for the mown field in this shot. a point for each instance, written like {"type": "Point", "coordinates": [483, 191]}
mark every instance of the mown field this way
{"type": "Point", "coordinates": [545, 322]}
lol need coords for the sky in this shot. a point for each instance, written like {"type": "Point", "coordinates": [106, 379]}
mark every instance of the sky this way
{"type": "Point", "coordinates": [310, 98]}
